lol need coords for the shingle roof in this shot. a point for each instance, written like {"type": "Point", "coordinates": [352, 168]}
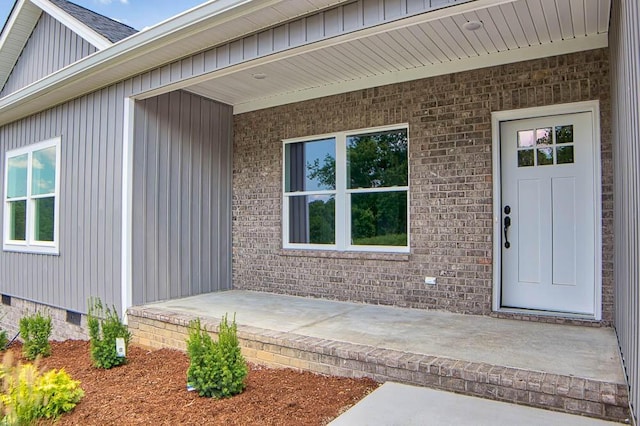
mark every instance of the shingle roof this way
{"type": "Point", "coordinates": [111, 30]}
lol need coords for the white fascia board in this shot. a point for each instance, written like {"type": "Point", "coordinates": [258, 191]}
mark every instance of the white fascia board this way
{"type": "Point", "coordinates": [494, 59]}
{"type": "Point", "coordinates": [78, 27]}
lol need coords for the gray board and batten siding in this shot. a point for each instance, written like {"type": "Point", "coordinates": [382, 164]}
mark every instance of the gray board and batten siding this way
{"type": "Point", "coordinates": [625, 77]}
{"type": "Point", "coordinates": [182, 165]}
{"type": "Point", "coordinates": [182, 197]}
{"type": "Point", "coordinates": [90, 203]}
{"type": "Point", "coordinates": [51, 47]}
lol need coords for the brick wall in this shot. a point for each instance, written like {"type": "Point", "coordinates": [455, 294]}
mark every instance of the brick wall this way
{"type": "Point", "coordinates": [60, 329]}
{"type": "Point", "coordinates": [450, 179]}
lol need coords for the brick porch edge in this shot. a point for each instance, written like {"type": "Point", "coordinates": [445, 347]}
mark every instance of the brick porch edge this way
{"type": "Point", "coordinates": [155, 328]}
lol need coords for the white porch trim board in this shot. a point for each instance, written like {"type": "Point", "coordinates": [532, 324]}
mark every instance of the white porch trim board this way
{"type": "Point", "coordinates": [127, 206]}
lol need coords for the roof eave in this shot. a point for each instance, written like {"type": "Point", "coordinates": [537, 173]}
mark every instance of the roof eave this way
{"type": "Point", "coordinates": [20, 23]}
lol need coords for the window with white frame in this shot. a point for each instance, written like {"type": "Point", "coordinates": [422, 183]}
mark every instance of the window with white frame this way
{"type": "Point", "coordinates": [348, 191]}
{"type": "Point", "coordinates": [32, 197]}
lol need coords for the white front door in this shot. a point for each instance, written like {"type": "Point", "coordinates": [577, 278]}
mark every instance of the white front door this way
{"type": "Point", "coordinates": [549, 214]}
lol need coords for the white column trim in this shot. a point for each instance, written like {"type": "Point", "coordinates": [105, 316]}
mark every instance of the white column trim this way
{"type": "Point", "coordinates": [127, 206]}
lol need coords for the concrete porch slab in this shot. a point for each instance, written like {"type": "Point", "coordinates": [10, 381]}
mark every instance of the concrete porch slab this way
{"type": "Point", "coordinates": [395, 404]}
{"type": "Point", "coordinates": [574, 369]}
{"type": "Point", "coordinates": [586, 352]}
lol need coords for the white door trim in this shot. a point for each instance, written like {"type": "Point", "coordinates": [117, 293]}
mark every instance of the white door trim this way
{"type": "Point", "coordinates": [496, 117]}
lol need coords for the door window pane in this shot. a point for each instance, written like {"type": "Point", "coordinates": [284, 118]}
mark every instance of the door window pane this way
{"type": "Point", "coordinates": [564, 134]}
{"type": "Point", "coordinates": [44, 218]}
{"type": "Point", "coordinates": [43, 179]}
{"type": "Point", "coordinates": [379, 218]}
{"type": "Point", "coordinates": [525, 138]}
{"type": "Point", "coordinates": [310, 166]}
{"type": "Point", "coordinates": [312, 219]}
{"type": "Point", "coordinates": [17, 176]}
{"type": "Point", "coordinates": [545, 156]}
{"type": "Point", "coordinates": [565, 154]}
{"type": "Point", "coordinates": [525, 158]}
{"type": "Point", "coordinates": [17, 220]}
{"type": "Point", "coordinates": [378, 160]}
{"type": "Point", "coordinates": [543, 136]}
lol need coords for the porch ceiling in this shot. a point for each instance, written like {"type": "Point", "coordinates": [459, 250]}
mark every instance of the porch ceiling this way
{"type": "Point", "coordinates": [421, 46]}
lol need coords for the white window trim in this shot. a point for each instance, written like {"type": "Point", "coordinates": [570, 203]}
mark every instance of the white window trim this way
{"type": "Point", "coordinates": [30, 245]}
{"type": "Point", "coordinates": [341, 193]}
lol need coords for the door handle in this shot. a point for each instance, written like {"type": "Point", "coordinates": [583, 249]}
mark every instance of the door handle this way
{"type": "Point", "coordinates": [507, 224]}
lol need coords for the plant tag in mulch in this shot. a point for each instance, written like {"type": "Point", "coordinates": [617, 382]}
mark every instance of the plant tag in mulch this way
{"type": "Point", "coordinates": [121, 348]}
{"type": "Point", "coordinates": [190, 388]}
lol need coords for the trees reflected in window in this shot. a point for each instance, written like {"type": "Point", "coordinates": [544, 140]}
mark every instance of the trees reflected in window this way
{"type": "Point", "coordinates": [358, 201]}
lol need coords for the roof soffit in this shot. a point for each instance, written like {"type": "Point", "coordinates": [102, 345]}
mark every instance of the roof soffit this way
{"type": "Point", "coordinates": [17, 30]}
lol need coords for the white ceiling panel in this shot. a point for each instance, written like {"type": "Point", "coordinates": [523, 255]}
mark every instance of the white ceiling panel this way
{"type": "Point", "coordinates": [425, 42]}
{"type": "Point", "coordinates": [461, 36]}
{"type": "Point", "coordinates": [537, 15]}
{"type": "Point", "coordinates": [444, 44]}
{"type": "Point", "coordinates": [564, 16]}
{"type": "Point", "coordinates": [591, 9]}
{"type": "Point", "coordinates": [479, 40]}
{"type": "Point", "coordinates": [513, 24]}
{"type": "Point", "coordinates": [604, 14]}
{"type": "Point", "coordinates": [525, 20]}
{"type": "Point", "coordinates": [577, 16]}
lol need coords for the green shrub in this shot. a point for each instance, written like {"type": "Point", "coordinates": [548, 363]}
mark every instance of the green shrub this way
{"type": "Point", "coordinates": [29, 395]}
{"type": "Point", "coordinates": [35, 331]}
{"type": "Point", "coordinates": [4, 340]}
{"type": "Point", "coordinates": [216, 369]}
{"type": "Point", "coordinates": [105, 327]}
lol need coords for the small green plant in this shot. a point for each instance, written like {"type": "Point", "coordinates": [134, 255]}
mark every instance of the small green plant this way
{"type": "Point", "coordinates": [216, 369]}
{"type": "Point", "coordinates": [4, 340]}
{"type": "Point", "coordinates": [28, 395]}
{"type": "Point", "coordinates": [105, 326]}
{"type": "Point", "coordinates": [4, 337]}
{"type": "Point", "coordinates": [35, 331]}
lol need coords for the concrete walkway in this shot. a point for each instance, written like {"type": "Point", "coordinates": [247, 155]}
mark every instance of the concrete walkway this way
{"type": "Point", "coordinates": [395, 404]}
{"type": "Point", "coordinates": [585, 352]}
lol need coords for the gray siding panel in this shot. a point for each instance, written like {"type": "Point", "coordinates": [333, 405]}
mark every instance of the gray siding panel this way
{"type": "Point", "coordinates": [51, 47]}
{"type": "Point", "coordinates": [181, 215]}
{"type": "Point", "coordinates": [90, 205]}
{"type": "Point", "coordinates": [625, 62]}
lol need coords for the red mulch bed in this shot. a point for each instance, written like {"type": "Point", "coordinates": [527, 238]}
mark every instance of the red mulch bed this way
{"type": "Point", "coordinates": [151, 389]}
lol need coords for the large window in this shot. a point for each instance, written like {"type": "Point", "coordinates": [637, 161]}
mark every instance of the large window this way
{"type": "Point", "coordinates": [347, 191]}
{"type": "Point", "coordinates": [31, 198]}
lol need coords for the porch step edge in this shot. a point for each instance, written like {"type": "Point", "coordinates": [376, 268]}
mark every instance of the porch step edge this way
{"type": "Point", "coordinates": [610, 401]}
